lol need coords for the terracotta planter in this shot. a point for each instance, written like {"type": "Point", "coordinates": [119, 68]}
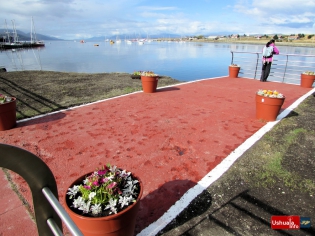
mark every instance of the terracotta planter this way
{"type": "Point", "coordinates": [149, 83]}
{"type": "Point", "coordinates": [307, 80]}
{"type": "Point", "coordinates": [267, 108]}
{"type": "Point", "coordinates": [8, 115]}
{"type": "Point", "coordinates": [121, 224]}
{"type": "Point", "coordinates": [233, 71]}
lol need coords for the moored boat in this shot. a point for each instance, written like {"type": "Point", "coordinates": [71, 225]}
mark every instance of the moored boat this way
{"type": "Point", "coordinates": [38, 44]}
{"type": "Point", "coordinates": [34, 41]}
{"type": "Point", "coordinates": [13, 42]}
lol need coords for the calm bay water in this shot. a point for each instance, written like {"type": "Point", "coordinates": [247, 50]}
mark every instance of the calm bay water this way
{"type": "Point", "coordinates": [183, 61]}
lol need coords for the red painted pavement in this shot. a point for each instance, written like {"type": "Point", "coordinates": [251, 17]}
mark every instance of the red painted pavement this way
{"type": "Point", "coordinates": [14, 218]}
{"type": "Point", "coordinates": [170, 139]}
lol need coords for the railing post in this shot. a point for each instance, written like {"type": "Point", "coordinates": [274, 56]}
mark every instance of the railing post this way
{"type": "Point", "coordinates": [285, 69]}
{"type": "Point", "coordinates": [257, 61]}
{"type": "Point", "coordinates": [38, 175]}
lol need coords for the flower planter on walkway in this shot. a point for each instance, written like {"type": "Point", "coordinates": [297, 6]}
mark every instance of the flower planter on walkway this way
{"type": "Point", "coordinates": [8, 115]}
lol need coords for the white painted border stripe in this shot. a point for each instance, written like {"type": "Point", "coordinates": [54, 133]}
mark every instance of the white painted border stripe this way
{"type": "Point", "coordinates": [214, 174]}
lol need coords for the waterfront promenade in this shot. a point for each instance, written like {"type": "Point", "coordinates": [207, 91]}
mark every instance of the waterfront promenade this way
{"type": "Point", "coordinates": [171, 139]}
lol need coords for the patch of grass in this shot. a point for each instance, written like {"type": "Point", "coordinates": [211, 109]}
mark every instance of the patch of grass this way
{"type": "Point", "coordinates": [273, 173]}
{"type": "Point", "coordinates": [131, 90]}
{"type": "Point", "coordinates": [308, 184]}
{"type": "Point", "coordinates": [291, 137]}
{"type": "Point", "coordinates": [270, 155]}
{"type": "Point", "coordinates": [269, 138]}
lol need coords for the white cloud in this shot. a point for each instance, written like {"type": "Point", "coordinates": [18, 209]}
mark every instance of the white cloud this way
{"type": "Point", "coordinates": [284, 5]}
{"type": "Point", "coordinates": [80, 18]}
{"type": "Point", "coordinates": [151, 8]}
{"type": "Point", "coordinates": [279, 11]}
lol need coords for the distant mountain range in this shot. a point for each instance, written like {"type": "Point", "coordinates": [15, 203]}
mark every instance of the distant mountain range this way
{"type": "Point", "coordinates": [27, 36]}
{"type": "Point", "coordinates": [155, 36]}
{"type": "Point", "coordinates": [128, 36]}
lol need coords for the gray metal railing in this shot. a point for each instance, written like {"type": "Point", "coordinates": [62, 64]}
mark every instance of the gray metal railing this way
{"type": "Point", "coordinates": [285, 68]}
{"type": "Point", "coordinates": [48, 210]}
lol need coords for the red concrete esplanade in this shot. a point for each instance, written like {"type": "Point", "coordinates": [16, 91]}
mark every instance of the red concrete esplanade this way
{"type": "Point", "coordinates": [171, 139]}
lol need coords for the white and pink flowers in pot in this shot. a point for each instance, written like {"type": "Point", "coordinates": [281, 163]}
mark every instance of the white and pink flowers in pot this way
{"type": "Point", "coordinates": [104, 192]}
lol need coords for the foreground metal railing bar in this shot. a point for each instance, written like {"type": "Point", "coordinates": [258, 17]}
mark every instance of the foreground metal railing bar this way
{"type": "Point", "coordinates": [61, 213]}
{"type": "Point", "coordinates": [286, 68]}
{"type": "Point", "coordinates": [42, 183]}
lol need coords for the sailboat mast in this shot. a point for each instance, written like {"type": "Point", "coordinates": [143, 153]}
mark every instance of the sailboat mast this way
{"type": "Point", "coordinates": [15, 37]}
{"type": "Point", "coordinates": [7, 31]}
{"type": "Point", "coordinates": [33, 32]}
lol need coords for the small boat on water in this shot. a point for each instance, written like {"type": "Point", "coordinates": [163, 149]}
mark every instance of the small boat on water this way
{"type": "Point", "coordinates": [118, 40]}
{"type": "Point", "coordinates": [22, 45]}
{"type": "Point", "coordinates": [12, 45]}
{"type": "Point", "coordinates": [38, 44]}
{"type": "Point", "coordinates": [141, 41]}
{"type": "Point", "coordinates": [34, 41]}
{"type": "Point", "coordinates": [96, 45]}
{"type": "Point", "coordinates": [82, 41]}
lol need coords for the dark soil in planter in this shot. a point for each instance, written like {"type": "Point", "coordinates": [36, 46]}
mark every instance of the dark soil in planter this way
{"type": "Point", "coordinates": [135, 77]}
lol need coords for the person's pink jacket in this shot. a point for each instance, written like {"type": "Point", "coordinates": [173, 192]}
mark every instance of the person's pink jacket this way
{"type": "Point", "coordinates": [275, 51]}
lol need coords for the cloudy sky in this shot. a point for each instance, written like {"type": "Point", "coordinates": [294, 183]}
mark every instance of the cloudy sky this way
{"type": "Point", "coordinates": [81, 19]}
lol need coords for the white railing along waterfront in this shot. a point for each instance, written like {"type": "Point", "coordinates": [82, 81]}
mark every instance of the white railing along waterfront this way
{"type": "Point", "coordinates": [286, 68]}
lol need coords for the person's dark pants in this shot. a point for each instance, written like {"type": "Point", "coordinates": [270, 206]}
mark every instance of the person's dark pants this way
{"type": "Point", "coordinates": [265, 71]}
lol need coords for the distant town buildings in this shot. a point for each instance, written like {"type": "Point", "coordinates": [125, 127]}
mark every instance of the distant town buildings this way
{"type": "Point", "coordinates": [213, 37]}
{"type": "Point", "coordinates": [295, 37]}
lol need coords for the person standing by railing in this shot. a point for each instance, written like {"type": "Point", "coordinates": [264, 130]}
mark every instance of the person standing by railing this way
{"type": "Point", "coordinates": [268, 51]}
